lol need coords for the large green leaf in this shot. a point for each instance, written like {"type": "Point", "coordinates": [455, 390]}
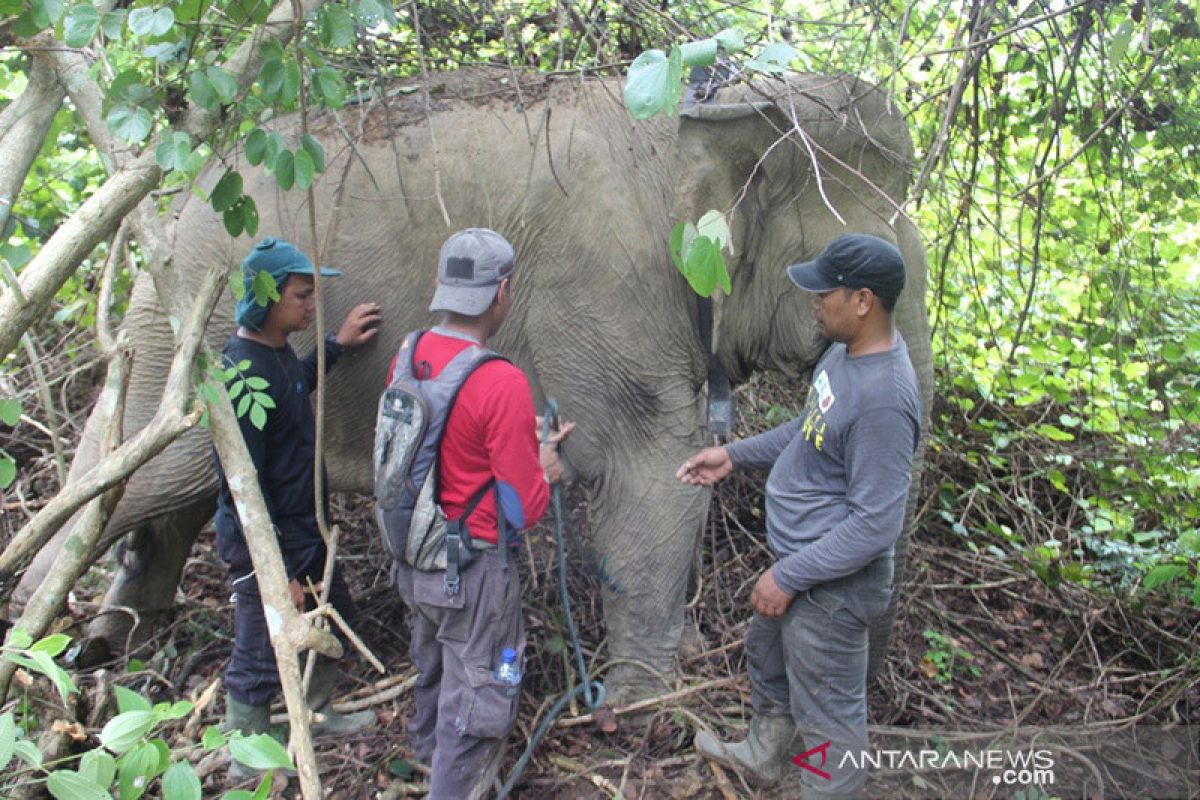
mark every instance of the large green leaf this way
{"type": "Point", "coordinates": [129, 700]}
{"type": "Point", "coordinates": [8, 470]}
{"type": "Point", "coordinates": [8, 737]}
{"type": "Point", "coordinates": [304, 169]}
{"type": "Point", "coordinates": [256, 146]}
{"type": "Point", "coordinates": [335, 26]}
{"type": "Point", "coordinates": [227, 191]}
{"type": "Point", "coordinates": [653, 83]}
{"type": "Point", "coordinates": [46, 12]}
{"type": "Point", "coordinates": [731, 40]}
{"type": "Point", "coordinates": [131, 123]}
{"type": "Point", "coordinates": [181, 783]}
{"type": "Point", "coordinates": [773, 58]}
{"type": "Point", "coordinates": [174, 152]}
{"type": "Point", "coordinates": [372, 12]}
{"type": "Point", "coordinates": [1163, 573]}
{"type": "Point", "coordinates": [51, 645]}
{"type": "Point", "coordinates": [150, 21]}
{"type": "Point", "coordinates": [81, 25]}
{"type": "Point", "coordinates": [224, 84]}
{"type": "Point", "coordinates": [285, 170]}
{"type": "Point", "coordinates": [699, 53]}
{"type": "Point", "coordinates": [68, 785]}
{"type": "Point", "coordinates": [10, 411]}
{"type": "Point", "coordinates": [98, 767]}
{"type": "Point", "coordinates": [270, 78]}
{"type": "Point", "coordinates": [137, 768]}
{"type": "Point", "coordinates": [202, 91]}
{"type": "Point", "coordinates": [329, 86]}
{"type": "Point", "coordinates": [125, 730]}
{"type": "Point", "coordinates": [260, 751]}
{"type": "Point", "coordinates": [315, 151]}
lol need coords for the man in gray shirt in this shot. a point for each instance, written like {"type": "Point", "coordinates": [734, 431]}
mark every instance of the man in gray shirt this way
{"type": "Point", "coordinates": [836, 496]}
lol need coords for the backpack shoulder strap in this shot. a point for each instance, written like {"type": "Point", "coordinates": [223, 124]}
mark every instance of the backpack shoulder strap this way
{"type": "Point", "coordinates": [405, 356]}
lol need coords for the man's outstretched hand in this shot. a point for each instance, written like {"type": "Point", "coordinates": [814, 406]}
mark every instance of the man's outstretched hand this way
{"type": "Point", "coordinates": [360, 325]}
{"type": "Point", "coordinates": [706, 468]}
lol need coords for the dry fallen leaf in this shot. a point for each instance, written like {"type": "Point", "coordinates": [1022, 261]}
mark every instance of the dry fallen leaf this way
{"type": "Point", "coordinates": [929, 667]}
{"type": "Point", "coordinates": [1033, 660]}
{"type": "Point", "coordinates": [606, 720]}
{"type": "Point", "coordinates": [72, 729]}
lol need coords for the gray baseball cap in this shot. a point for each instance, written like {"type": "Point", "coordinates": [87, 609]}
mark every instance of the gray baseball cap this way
{"type": "Point", "coordinates": [470, 267]}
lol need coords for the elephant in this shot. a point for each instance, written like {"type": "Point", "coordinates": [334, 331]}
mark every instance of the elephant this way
{"type": "Point", "coordinates": [602, 320]}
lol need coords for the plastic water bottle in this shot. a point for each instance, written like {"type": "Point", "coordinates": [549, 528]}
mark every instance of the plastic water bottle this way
{"type": "Point", "coordinates": [507, 672]}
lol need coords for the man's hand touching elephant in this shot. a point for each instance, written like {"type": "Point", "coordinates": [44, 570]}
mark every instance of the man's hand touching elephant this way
{"type": "Point", "coordinates": [706, 468]}
{"type": "Point", "coordinates": [767, 598]}
{"type": "Point", "coordinates": [360, 325]}
{"type": "Point", "coordinates": [552, 466]}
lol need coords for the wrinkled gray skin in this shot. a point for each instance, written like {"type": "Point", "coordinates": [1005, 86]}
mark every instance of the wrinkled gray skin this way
{"type": "Point", "coordinates": [602, 320]}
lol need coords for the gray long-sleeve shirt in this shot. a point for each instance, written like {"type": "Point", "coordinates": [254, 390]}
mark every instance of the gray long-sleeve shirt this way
{"type": "Point", "coordinates": [840, 472]}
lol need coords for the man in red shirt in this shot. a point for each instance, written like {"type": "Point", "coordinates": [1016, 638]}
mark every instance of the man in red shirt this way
{"type": "Point", "coordinates": [463, 715]}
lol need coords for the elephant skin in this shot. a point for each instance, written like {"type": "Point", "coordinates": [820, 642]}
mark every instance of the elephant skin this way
{"type": "Point", "coordinates": [602, 320]}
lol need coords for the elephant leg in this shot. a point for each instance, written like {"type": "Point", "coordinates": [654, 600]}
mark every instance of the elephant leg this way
{"type": "Point", "coordinates": [151, 560]}
{"type": "Point", "coordinates": [647, 527]}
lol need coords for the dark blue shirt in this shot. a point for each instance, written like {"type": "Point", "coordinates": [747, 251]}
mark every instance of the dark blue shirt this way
{"type": "Point", "coordinates": [282, 452]}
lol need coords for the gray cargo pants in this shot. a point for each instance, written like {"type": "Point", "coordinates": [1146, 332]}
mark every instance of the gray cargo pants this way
{"type": "Point", "coordinates": [462, 716]}
{"type": "Point", "coordinates": [811, 663]}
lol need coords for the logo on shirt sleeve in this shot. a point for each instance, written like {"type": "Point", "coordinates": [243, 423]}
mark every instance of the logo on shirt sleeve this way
{"type": "Point", "coordinates": [825, 396]}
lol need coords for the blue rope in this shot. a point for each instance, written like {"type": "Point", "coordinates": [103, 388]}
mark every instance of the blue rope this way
{"type": "Point", "coordinates": [593, 691]}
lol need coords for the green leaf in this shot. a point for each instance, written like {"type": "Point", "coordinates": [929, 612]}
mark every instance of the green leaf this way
{"type": "Point", "coordinates": [68, 785]}
{"type": "Point", "coordinates": [8, 737]}
{"type": "Point", "coordinates": [160, 22]}
{"type": "Point", "coordinates": [1053, 432]}
{"type": "Point", "coordinates": [1163, 573]}
{"type": "Point", "coordinates": [265, 291]}
{"type": "Point", "coordinates": [264, 400]}
{"type": "Point", "coordinates": [314, 150]}
{"type": "Point", "coordinates": [330, 87]}
{"type": "Point", "coordinates": [212, 738]}
{"type": "Point", "coordinates": [249, 214]}
{"type": "Point", "coordinates": [202, 91]}
{"type": "Point", "coordinates": [270, 78]}
{"type": "Point", "coordinates": [258, 416]}
{"type": "Point", "coordinates": [235, 389]}
{"type": "Point", "coordinates": [731, 40]}
{"type": "Point", "coordinates": [263, 790]}
{"type": "Point", "coordinates": [28, 752]}
{"type": "Point", "coordinates": [223, 83]}
{"type": "Point", "coordinates": [700, 53]}
{"type": "Point", "coordinates": [44, 663]}
{"type": "Point", "coordinates": [257, 383]}
{"type": "Point", "coordinates": [46, 12]}
{"type": "Point", "coordinates": [227, 191]}
{"type": "Point", "coordinates": [653, 83]}
{"type": "Point", "coordinates": [1119, 42]}
{"type": "Point", "coordinates": [256, 146]}
{"type": "Point", "coordinates": [8, 471]}
{"type": "Point", "coordinates": [181, 783]}
{"type": "Point", "coordinates": [773, 58]}
{"type": "Point", "coordinates": [136, 769]}
{"type": "Point", "coordinates": [304, 169]}
{"type": "Point", "coordinates": [260, 751]}
{"type": "Point", "coordinates": [171, 711]}
{"type": "Point", "coordinates": [372, 12]}
{"type": "Point", "coordinates": [98, 767]}
{"type": "Point", "coordinates": [17, 255]}
{"type": "Point", "coordinates": [714, 226]}
{"type": "Point", "coordinates": [10, 411]}
{"type": "Point", "coordinates": [141, 20]}
{"type": "Point", "coordinates": [274, 148]}
{"type": "Point", "coordinates": [285, 170]}
{"type": "Point", "coordinates": [131, 124]}
{"type": "Point", "coordinates": [81, 25]}
{"type": "Point", "coordinates": [291, 83]}
{"type": "Point", "coordinates": [174, 152]}
{"type": "Point", "coordinates": [52, 645]}
{"type": "Point", "coordinates": [232, 219]}
{"type": "Point", "coordinates": [19, 638]}
{"type": "Point", "coordinates": [129, 700]}
{"type": "Point", "coordinates": [113, 23]}
{"type": "Point", "coordinates": [704, 268]}
{"type": "Point", "coordinates": [126, 729]}
{"type": "Point", "coordinates": [244, 405]}
{"type": "Point", "coordinates": [335, 26]}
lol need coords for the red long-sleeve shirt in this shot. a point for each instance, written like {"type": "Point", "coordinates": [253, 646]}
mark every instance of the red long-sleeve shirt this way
{"type": "Point", "coordinates": [490, 433]}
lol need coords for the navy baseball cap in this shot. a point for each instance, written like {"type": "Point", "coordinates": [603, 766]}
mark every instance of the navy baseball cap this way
{"type": "Point", "coordinates": [853, 261]}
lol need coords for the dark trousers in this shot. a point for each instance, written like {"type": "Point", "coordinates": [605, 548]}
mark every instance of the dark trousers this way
{"type": "Point", "coordinates": [462, 716]}
{"type": "Point", "coordinates": [811, 664]}
{"type": "Point", "coordinates": [252, 676]}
